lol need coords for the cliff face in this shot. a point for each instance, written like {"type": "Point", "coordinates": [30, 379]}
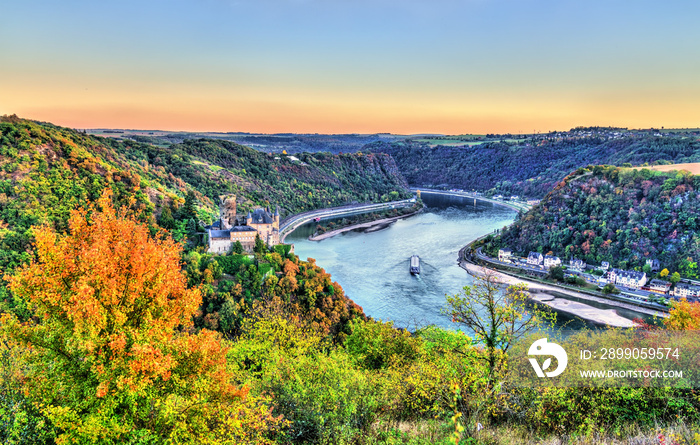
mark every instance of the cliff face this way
{"type": "Point", "coordinates": [620, 215]}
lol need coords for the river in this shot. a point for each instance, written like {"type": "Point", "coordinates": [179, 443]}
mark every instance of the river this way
{"type": "Point", "coordinates": [372, 267]}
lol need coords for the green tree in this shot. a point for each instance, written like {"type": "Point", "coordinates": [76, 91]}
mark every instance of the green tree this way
{"type": "Point", "coordinates": [166, 219]}
{"type": "Point", "coordinates": [556, 273]}
{"type": "Point", "coordinates": [376, 344]}
{"type": "Point", "coordinates": [237, 247]}
{"type": "Point", "coordinates": [188, 210]}
{"type": "Point", "coordinates": [675, 278]}
{"type": "Point", "coordinates": [610, 289]}
{"type": "Point", "coordinates": [498, 316]}
{"type": "Point", "coordinates": [260, 246]}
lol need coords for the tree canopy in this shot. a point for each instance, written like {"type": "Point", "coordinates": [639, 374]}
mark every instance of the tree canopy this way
{"type": "Point", "coordinates": [108, 352]}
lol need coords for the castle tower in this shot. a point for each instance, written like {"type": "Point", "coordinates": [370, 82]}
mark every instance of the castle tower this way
{"type": "Point", "coordinates": [227, 211]}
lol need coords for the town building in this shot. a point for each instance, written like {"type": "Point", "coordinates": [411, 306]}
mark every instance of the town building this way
{"type": "Point", "coordinates": [535, 259]}
{"type": "Point", "coordinates": [627, 278]}
{"type": "Point", "coordinates": [504, 254]}
{"type": "Point", "coordinates": [604, 265]}
{"type": "Point", "coordinates": [551, 261]}
{"type": "Point", "coordinates": [654, 264]}
{"type": "Point", "coordinates": [690, 292]}
{"type": "Point", "coordinates": [232, 227]}
{"type": "Point", "coordinates": [577, 264]}
{"type": "Point", "coordinates": [659, 286]}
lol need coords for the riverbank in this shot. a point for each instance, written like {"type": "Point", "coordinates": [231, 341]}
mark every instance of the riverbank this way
{"type": "Point", "coordinates": [607, 317]}
{"type": "Point", "coordinates": [289, 224]}
{"type": "Point", "coordinates": [371, 226]}
{"type": "Point", "coordinates": [588, 313]}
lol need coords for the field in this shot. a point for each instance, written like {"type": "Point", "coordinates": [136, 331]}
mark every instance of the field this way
{"type": "Point", "coordinates": [693, 167]}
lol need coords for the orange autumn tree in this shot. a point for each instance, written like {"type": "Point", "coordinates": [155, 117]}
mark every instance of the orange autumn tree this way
{"type": "Point", "coordinates": [108, 355]}
{"type": "Point", "coordinates": [684, 316]}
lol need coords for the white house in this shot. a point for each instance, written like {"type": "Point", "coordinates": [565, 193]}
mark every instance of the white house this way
{"type": "Point", "coordinates": [551, 261]}
{"type": "Point", "coordinates": [535, 259]}
{"type": "Point", "coordinates": [576, 264]}
{"type": "Point", "coordinates": [684, 290]}
{"type": "Point", "coordinates": [628, 278]}
{"type": "Point", "coordinates": [659, 286]}
{"type": "Point", "coordinates": [504, 254]}
{"type": "Point", "coordinates": [604, 265]}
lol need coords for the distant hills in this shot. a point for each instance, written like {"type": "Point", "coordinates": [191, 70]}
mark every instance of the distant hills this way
{"type": "Point", "coordinates": [620, 215]}
{"type": "Point", "coordinates": [533, 166]}
{"type": "Point", "coordinates": [272, 143]}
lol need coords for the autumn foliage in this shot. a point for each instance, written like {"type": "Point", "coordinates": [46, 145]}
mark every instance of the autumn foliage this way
{"type": "Point", "coordinates": [109, 355]}
{"type": "Point", "coordinates": [684, 316]}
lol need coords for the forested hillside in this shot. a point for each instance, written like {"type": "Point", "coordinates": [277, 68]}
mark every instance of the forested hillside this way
{"type": "Point", "coordinates": [620, 215]}
{"type": "Point", "coordinates": [531, 168]}
{"type": "Point", "coordinates": [313, 181]}
{"type": "Point", "coordinates": [46, 171]}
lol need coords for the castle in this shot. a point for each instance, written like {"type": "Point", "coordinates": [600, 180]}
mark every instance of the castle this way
{"type": "Point", "coordinates": [232, 227]}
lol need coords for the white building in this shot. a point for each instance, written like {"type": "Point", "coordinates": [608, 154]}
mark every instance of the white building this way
{"type": "Point", "coordinates": [628, 278]}
{"type": "Point", "coordinates": [505, 254]}
{"type": "Point", "coordinates": [659, 286]}
{"type": "Point", "coordinates": [535, 259]}
{"type": "Point", "coordinates": [551, 261]}
{"type": "Point", "coordinates": [576, 264]}
{"type": "Point", "coordinates": [684, 290]}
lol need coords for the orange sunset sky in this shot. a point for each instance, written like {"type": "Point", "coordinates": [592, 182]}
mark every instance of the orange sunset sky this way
{"type": "Point", "coordinates": [445, 66]}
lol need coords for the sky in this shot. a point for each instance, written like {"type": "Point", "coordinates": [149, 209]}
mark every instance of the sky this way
{"type": "Point", "coordinates": [352, 66]}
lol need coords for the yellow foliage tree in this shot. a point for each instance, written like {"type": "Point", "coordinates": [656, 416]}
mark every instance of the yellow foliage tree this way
{"type": "Point", "coordinates": [684, 316]}
{"type": "Point", "coordinates": [109, 354]}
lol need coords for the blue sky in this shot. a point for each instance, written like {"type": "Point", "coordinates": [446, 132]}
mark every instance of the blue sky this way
{"type": "Point", "coordinates": [352, 66]}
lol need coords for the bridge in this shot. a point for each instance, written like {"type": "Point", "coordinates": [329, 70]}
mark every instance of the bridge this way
{"type": "Point", "coordinates": [514, 205]}
{"type": "Point", "coordinates": [288, 225]}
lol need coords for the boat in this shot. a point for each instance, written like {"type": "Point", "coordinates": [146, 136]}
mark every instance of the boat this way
{"type": "Point", "coordinates": [414, 265]}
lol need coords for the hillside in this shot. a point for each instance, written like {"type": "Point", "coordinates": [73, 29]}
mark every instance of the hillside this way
{"type": "Point", "coordinates": [620, 215]}
{"type": "Point", "coordinates": [302, 182]}
{"type": "Point", "coordinates": [46, 171]}
{"type": "Point", "coordinates": [532, 167]}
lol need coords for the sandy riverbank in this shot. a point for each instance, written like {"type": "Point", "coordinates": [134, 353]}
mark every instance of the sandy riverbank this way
{"type": "Point", "coordinates": [544, 294]}
{"type": "Point", "coordinates": [601, 316]}
{"type": "Point", "coordinates": [372, 226]}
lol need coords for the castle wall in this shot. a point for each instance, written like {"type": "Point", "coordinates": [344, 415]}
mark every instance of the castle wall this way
{"type": "Point", "coordinates": [246, 238]}
{"type": "Point", "coordinates": [220, 245]}
{"type": "Point", "coordinates": [268, 233]}
{"type": "Point", "coordinates": [227, 211]}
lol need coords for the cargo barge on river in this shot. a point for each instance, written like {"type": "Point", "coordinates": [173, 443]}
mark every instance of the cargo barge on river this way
{"type": "Point", "coordinates": [414, 265]}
